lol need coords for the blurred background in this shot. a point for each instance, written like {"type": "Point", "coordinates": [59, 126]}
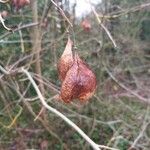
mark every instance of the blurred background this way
{"type": "Point", "coordinates": [112, 36]}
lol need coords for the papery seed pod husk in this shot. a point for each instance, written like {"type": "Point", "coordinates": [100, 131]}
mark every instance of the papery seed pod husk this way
{"type": "Point", "coordinates": [20, 3]}
{"type": "Point", "coordinates": [66, 60]}
{"type": "Point", "coordinates": [79, 83]}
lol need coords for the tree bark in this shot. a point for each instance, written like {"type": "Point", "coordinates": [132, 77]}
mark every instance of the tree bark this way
{"type": "Point", "coordinates": [36, 37]}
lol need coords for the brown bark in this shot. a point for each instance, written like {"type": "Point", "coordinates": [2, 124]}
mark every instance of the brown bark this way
{"type": "Point", "coordinates": [36, 37]}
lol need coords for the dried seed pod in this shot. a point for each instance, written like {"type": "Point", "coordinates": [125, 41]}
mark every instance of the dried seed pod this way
{"type": "Point", "coordinates": [79, 83]}
{"type": "Point", "coordinates": [86, 25]}
{"type": "Point", "coordinates": [20, 3]}
{"type": "Point", "coordinates": [66, 60]}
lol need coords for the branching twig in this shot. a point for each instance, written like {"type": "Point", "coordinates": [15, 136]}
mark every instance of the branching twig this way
{"type": "Point", "coordinates": [126, 88]}
{"type": "Point", "coordinates": [124, 12]}
{"type": "Point", "coordinates": [68, 121]}
{"type": "Point", "coordinates": [62, 13]}
{"type": "Point", "coordinates": [19, 28]}
{"type": "Point", "coordinates": [53, 110]}
{"type": "Point", "coordinates": [102, 25]}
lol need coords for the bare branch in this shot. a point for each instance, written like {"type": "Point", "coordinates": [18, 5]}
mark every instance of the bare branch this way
{"type": "Point", "coordinates": [2, 21]}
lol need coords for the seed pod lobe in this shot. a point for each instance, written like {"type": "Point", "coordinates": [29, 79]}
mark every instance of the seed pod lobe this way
{"type": "Point", "coordinates": [79, 83]}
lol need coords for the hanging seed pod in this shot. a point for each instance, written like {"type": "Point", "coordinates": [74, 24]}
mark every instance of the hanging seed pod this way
{"type": "Point", "coordinates": [66, 60]}
{"type": "Point", "coordinates": [20, 3]}
{"type": "Point", "coordinates": [79, 83]}
{"type": "Point", "coordinates": [86, 25]}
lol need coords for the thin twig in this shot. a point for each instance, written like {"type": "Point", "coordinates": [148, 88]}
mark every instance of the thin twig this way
{"type": "Point", "coordinates": [3, 70]}
{"type": "Point", "coordinates": [21, 41]}
{"type": "Point", "coordinates": [143, 128]}
{"type": "Point", "coordinates": [47, 7]}
{"type": "Point", "coordinates": [126, 88]}
{"type": "Point", "coordinates": [106, 147]}
{"type": "Point", "coordinates": [28, 105]}
{"type": "Point", "coordinates": [3, 23]}
{"type": "Point", "coordinates": [62, 13]}
{"type": "Point", "coordinates": [19, 28]}
{"type": "Point", "coordinates": [54, 97]}
{"type": "Point", "coordinates": [102, 25]}
{"type": "Point", "coordinates": [124, 12]}
{"type": "Point", "coordinates": [14, 119]}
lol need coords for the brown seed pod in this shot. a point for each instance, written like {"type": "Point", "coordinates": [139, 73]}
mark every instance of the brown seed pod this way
{"type": "Point", "coordinates": [66, 60]}
{"type": "Point", "coordinates": [79, 83]}
{"type": "Point", "coordinates": [86, 25]}
{"type": "Point", "coordinates": [18, 4]}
